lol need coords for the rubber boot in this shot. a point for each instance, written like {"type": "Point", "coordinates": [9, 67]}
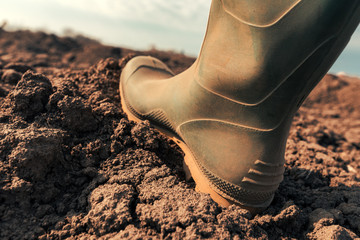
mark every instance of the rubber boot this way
{"type": "Point", "coordinates": [231, 110]}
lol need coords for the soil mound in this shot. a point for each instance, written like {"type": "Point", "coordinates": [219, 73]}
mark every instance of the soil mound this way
{"type": "Point", "coordinates": [73, 167]}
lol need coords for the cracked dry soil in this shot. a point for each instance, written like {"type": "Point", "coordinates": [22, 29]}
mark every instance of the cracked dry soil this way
{"type": "Point", "coordinates": [73, 167]}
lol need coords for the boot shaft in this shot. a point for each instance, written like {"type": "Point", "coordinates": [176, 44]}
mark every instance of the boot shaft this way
{"type": "Point", "coordinates": [266, 52]}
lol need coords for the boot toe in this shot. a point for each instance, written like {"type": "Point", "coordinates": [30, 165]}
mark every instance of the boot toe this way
{"type": "Point", "coordinates": [140, 63]}
{"type": "Point", "coordinates": [140, 86]}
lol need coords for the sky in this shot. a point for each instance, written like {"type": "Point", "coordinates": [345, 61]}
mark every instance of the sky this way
{"type": "Point", "coordinates": [136, 24]}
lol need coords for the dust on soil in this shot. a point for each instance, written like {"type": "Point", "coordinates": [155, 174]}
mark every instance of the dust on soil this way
{"type": "Point", "coordinates": [72, 165]}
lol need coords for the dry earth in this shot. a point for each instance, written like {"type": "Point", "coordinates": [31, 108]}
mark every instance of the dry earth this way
{"type": "Point", "coordinates": [73, 167]}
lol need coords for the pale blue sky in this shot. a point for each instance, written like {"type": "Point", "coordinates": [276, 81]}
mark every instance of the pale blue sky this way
{"type": "Point", "coordinates": [137, 24]}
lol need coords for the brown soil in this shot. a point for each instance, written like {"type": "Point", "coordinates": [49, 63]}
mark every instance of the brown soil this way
{"type": "Point", "coordinates": [73, 166]}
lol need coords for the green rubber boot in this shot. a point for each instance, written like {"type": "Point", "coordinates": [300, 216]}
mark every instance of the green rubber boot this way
{"type": "Point", "coordinates": [231, 110]}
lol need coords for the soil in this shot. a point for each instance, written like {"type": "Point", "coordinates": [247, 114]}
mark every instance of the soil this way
{"type": "Point", "coordinates": [73, 167]}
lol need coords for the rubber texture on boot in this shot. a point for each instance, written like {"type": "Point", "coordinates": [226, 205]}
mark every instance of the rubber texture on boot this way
{"type": "Point", "coordinates": [190, 165]}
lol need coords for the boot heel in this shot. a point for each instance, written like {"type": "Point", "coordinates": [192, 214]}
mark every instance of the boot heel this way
{"type": "Point", "coordinates": [203, 185]}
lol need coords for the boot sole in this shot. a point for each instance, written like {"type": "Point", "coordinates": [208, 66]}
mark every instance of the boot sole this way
{"type": "Point", "coordinates": [190, 166]}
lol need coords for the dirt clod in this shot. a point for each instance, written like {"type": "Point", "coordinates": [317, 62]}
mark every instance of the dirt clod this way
{"type": "Point", "coordinates": [334, 232]}
{"type": "Point", "coordinates": [30, 95]}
